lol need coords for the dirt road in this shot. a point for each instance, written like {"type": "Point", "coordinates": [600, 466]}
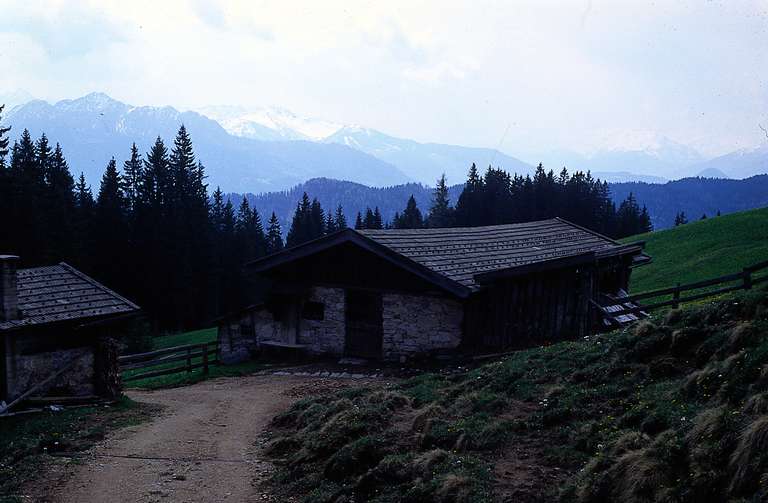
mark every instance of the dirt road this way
{"type": "Point", "coordinates": [202, 448]}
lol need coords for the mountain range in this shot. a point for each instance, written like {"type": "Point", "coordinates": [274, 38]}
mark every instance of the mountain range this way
{"type": "Point", "coordinates": [694, 196]}
{"type": "Point", "coordinates": [271, 149]}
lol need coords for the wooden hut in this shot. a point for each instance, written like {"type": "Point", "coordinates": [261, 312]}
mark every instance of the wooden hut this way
{"type": "Point", "coordinates": [395, 294]}
{"type": "Point", "coordinates": [52, 323]}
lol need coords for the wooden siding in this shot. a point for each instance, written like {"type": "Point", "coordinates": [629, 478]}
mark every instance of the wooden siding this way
{"type": "Point", "coordinates": [531, 310]}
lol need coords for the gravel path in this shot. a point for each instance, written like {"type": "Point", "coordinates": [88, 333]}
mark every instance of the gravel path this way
{"type": "Point", "coordinates": [204, 446]}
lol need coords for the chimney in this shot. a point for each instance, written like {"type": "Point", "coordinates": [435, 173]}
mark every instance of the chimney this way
{"type": "Point", "coordinates": [9, 303]}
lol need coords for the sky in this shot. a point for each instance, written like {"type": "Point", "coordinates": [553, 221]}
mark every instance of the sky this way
{"type": "Point", "coordinates": [522, 76]}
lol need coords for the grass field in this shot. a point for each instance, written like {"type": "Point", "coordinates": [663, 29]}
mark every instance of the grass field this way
{"type": "Point", "coordinates": [194, 337]}
{"type": "Point", "coordinates": [702, 249]}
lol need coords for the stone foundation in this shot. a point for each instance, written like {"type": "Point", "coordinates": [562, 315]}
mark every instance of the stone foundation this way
{"type": "Point", "coordinates": [418, 324]}
{"type": "Point", "coordinates": [412, 325]}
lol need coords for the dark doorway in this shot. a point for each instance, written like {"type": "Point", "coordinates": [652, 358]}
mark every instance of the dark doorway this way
{"type": "Point", "coordinates": [364, 324]}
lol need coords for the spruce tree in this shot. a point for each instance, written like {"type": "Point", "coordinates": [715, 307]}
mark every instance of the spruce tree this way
{"type": "Point", "coordinates": [60, 206]}
{"type": "Point", "coordinates": [274, 235]}
{"type": "Point", "coordinates": [330, 224]}
{"type": "Point", "coordinates": [4, 130]}
{"type": "Point", "coordinates": [469, 206]}
{"type": "Point", "coordinates": [340, 221]}
{"type": "Point", "coordinates": [378, 221]}
{"type": "Point", "coordinates": [441, 213]}
{"type": "Point", "coordinates": [411, 217]}
{"type": "Point", "coordinates": [316, 226]}
{"type": "Point", "coordinates": [83, 224]}
{"type": "Point", "coordinates": [132, 177]}
{"type": "Point", "coordinates": [359, 224]}
{"type": "Point", "coordinates": [110, 229]}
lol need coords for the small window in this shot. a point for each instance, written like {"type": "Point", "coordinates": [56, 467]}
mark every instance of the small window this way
{"type": "Point", "coordinates": [313, 311]}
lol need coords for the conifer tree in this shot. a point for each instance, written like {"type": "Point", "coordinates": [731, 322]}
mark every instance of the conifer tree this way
{"type": "Point", "coordinates": [274, 235]}
{"type": "Point", "coordinates": [110, 228]}
{"type": "Point", "coordinates": [132, 177]}
{"type": "Point", "coordinates": [469, 205]}
{"type": "Point", "coordinates": [3, 139]}
{"type": "Point", "coordinates": [316, 226]}
{"type": "Point", "coordinates": [411, 217]}
{"type": "Point", "coordinates": [359, 224]}
{"type": "Point", "coordinates": [330, 224]}
{"type": "Point", "coordinates": [378, 221]}
{"type": "Point", "coordinates": [60, 207]}
{"type": "Point", "coordinates": [340, 221]}
{"type": "Point", "coordinates": [441, 213]}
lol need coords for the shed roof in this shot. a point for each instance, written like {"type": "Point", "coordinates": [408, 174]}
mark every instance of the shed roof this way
{"type": "Point", "coordinates": [461, 253]}
{"type": "Point", "coordinates": [62, 293]}
{"type": "Point", "coordinates": [457, 258]}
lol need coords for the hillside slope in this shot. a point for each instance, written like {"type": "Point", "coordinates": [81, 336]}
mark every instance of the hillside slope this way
{"type": "Point", "coordinates": [702, 249]}
{"type": "Point", "coordinates": [675, 410]}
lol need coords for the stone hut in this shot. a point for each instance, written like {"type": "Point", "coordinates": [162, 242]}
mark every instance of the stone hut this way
{"type": "Point", "coordinates": [53, 321]}
{"type": "Point", "coordinates": [397, 294]}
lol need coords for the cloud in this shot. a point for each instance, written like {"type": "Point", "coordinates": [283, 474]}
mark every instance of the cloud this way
{"type": "Point", "coordinates": [448, 71]}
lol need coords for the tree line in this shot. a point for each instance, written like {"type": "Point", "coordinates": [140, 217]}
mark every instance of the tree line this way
{"type": "Point", "coordinates": [151, 230]}
{"type": "Point", "coordinates": [496, 197]}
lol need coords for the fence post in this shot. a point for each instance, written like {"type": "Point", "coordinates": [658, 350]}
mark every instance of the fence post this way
{"type": "Point", "coordinates": [747, 279]}
{"type": "Point", "coordinates": [205, 359]}
{"type": "Point", "coordinates": [189, 361]}
{"type": "Point", "coordinates": [676, 296]}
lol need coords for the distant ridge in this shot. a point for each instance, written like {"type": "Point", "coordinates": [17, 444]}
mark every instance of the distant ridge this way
{"type": "Point", "coordinates": [694, 196]}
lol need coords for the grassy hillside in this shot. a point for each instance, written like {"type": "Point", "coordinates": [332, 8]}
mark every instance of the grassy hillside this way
{"type": "Point", "coordinates": [675, 409]}
{"type": "Point", "coordinates": [702, 249]}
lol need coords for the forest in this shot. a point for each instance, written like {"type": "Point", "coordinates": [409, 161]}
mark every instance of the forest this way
{"type": "Point", "coordinates": [154, 232]}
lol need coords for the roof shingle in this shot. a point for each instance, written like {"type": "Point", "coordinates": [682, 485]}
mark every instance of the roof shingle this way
{"type": "Point", "coordinates": [60, 293]}
{"type": "Point", "coordinates": [460, 253]}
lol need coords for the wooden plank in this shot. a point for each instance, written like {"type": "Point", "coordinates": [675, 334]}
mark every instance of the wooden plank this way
{"type": "Point", "coordinates": [678, 301]}
{"type": "Point", "coordinates": [159, 352]}
{"type": "Point", "coordinates": [757, 267]}
{"type": "Point", "coordinates": [166, 359]}
{"type": "Point", "coordinates": [688, 286]}
{"type": "Point", "coordinates": [157, 373]}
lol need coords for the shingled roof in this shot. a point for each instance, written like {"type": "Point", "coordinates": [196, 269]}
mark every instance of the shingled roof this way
{"type": "Point", "coordinates": [61, 293]}
{"type": "Point", "coordinates": [462, 253]}
{"type": "Point", "coordinates": [459, 258]}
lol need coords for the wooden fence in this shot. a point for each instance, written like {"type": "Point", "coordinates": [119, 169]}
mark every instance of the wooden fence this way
{"type": "Point", "coordinates": [194, 356]}
{"type": "Point", "coordinates": [745, 279]}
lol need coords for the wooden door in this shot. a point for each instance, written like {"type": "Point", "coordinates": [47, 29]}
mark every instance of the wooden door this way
{"type": "Point", "coordinates": [364, 324]}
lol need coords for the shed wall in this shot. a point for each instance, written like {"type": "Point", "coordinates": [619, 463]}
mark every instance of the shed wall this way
{"type": "Point", "coordinates": [419, 324]}
{"type": "Point", "coordinates": [27, 366]}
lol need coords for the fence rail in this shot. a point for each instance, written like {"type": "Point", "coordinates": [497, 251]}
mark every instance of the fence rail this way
{"type": "Point", "coordinates": [746, 278]}
{"type": "Point", "coordinates": [195, 356]}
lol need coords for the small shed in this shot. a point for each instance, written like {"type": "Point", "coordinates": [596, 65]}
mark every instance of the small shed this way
{"type": "Point", "coordinates": [394, 294]}
{"type": "Point", "coordinates": [53, 320]}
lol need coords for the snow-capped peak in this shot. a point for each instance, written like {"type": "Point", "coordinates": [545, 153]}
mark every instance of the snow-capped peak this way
{"type": "Point", "coordinates": [250, 122]}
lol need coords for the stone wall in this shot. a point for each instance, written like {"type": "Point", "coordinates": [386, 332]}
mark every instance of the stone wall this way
{"type": "Point", "coordinates": [27, 370]}
{"type": "Point", "coordinates": [325, 336]}
{"type": "Point", "coordinates": [412, 325]}
{"type": "Point", "coordinates": [239, 336]}
{"type": "Point", "coordinates": [418, 324]}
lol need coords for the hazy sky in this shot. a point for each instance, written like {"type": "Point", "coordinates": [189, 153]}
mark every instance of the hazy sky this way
{"type": "Point", "coordinates": [519, 75]}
